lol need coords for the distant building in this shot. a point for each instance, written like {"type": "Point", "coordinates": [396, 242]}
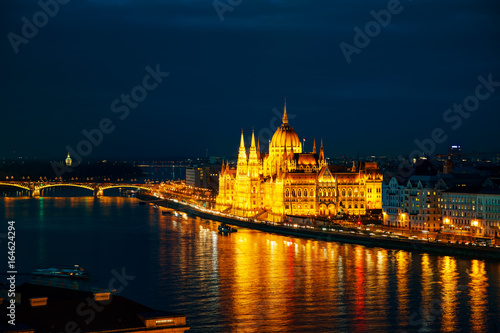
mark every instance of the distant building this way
{"type": "Point", "coordinates": [467, 204]}
{"type": "Point", "coordinates": [196, 177]}
{"type": "Point", "coordinates": [472, 211]}
{"type": "Point", "coordinates": [68, 160]}
{"type": "Point", "coordinates": [414, 203]}
{"type": "Point", "coordinates": [455, 152]}
{"type": "Point", "coordinates": [52, 309]}
{"type": "Point", "coordinates": [206, 176]}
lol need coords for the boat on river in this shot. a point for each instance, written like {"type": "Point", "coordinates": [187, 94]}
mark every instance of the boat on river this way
{"type": "Point", "coordinates": [71, 272]}
{"type": "Point", "coordinates": [225, 228]}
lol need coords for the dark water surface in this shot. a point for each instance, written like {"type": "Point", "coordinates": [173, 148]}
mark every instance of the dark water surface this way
{"type": "Point", "coordinates": [251, 281]}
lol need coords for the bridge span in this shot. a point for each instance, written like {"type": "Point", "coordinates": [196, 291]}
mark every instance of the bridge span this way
{"type": "Point", "coordinates": [35, 188]}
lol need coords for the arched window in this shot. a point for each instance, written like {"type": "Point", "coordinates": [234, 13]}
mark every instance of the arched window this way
{"type": "Point", "coordinates": [287, 193]}
{"type": "Point", "coordinates": [343, 192]}
{"type": "Point", "coordinates": [293, 192]}
{"type": "Point", "coordinates": [305, 192]}
{"type": "Point", "coordinates": [320, 192]}
{"type": "Point", "coordinates": [299, 192]}
{"type": "Point", "coordinates": [312, 193]}
{"type": "Point", "coordinates": [349, 193]}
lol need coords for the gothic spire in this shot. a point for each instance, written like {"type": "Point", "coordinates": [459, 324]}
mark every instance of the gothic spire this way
{"type": "Point", "coordinates": [321, 151]}
{"type": "Point", "coordinates": [242, 154]}
{"type": "Point", "coordinates": [258, 149]}
{"type": "Point", "coordinates": [285, 116]}
{"type": "Point", "coordinates": [242, 141]}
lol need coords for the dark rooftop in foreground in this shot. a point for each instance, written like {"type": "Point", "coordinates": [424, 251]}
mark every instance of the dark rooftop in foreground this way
{"type": "Point", "coordinates": [52, 309]}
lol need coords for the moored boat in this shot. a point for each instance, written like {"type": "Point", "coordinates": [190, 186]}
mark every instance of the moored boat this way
{"type": "Point", "coordinates": [71, 272]}
{"type": "Point", "coordinates": [224, 228]}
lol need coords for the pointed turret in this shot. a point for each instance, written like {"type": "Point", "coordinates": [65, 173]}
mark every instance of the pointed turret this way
{"type": "Point", "coordinates": [314, 147]}
{"type": "Point", "coordinates": [253, 151]}
{"type": "Point", "coordinates": [353, 169]}
{"type": "Point", "coordinates": [285, 116]}
{"type": "Point", "coordinates": [223, 169]}
{"type": "Point", "coordinates": [258, 149]}
{"type": "Point", "coordinates": [242, 154]}
{"type": "Point", "coordinates": [242, 141]}
{"type": "Point", "coordinates": [242, 164]}
{"type": "Point", "coordinates": [321, 151]}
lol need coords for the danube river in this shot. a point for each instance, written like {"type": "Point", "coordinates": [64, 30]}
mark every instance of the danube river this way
{"type": "Point", "coordinates": [251, 281]}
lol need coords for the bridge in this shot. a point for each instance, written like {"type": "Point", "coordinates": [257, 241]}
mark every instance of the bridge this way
{"type": "Point", "coordinates": [35, 188]}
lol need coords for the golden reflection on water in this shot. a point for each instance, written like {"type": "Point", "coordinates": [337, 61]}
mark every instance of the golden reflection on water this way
{"type": "Point", "coordinates": [449, 291]}
{"type": "Point", "coordinates": [403, 265]}
{"type": "Point", "coordinates": [478, 285]}
{"type": "Point", "coordinates": [427, 283]}
{"type": "Point", "coordinates": [359, 266]}
{"type": "Point", "coordinates": [382, 284]}
{"type": "Point", "coordinates": [264, 282]}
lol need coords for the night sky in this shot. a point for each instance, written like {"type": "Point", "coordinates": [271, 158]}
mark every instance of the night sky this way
{"type": "Point", "coordinates": [230, 66]}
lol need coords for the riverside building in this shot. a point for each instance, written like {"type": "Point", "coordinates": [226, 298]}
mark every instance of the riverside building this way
{"type": "Point", "coordinates": [289, 181]}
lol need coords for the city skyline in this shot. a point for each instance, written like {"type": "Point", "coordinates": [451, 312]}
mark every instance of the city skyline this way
{"type": "Point", "coordinates": [372, 79]}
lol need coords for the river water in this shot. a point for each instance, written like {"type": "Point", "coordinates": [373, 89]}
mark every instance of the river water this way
{"type": "Point", "coordinates": [252, 281]}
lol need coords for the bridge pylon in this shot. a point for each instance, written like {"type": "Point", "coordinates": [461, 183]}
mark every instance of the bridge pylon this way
{"type": "Point", "coordinates": [98, 191]}
{"type": "Point", "coordinates": [34, 190]}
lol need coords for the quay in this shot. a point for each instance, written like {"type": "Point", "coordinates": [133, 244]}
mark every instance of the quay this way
{"type": "Point", "coordinates": [440, 248]}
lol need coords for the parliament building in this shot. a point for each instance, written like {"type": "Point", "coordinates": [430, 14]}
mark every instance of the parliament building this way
{"type": "Point", "coordinates": [288, 181]}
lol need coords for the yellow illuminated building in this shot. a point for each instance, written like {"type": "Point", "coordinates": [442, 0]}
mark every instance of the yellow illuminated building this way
{"type": "Point", "coordinates": [288, 181]}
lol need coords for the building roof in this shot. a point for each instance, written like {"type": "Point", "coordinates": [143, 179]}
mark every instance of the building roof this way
{"type": "Point", "coordinates": [474, 190]}
{"type": "Point", "coordinates": [306, 159]}
{"type": "Point", "coordinates": [66, 305]}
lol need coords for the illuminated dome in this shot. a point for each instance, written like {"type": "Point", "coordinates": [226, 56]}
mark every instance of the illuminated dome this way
{"type": "Point", "coordinates": [68, 160]}
{"type": "Point", "coordinates": [285, 136]}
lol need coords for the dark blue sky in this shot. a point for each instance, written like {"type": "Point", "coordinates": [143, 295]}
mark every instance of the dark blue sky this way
{"type": "Point", "coordinates": [231, 74]}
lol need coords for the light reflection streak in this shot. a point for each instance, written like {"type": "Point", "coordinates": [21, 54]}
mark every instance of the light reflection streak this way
{"type": "Point", "coordinates": [403, 263]}
{"type": "Point", "coordinates": [449, 292]}
{"type": "Point", "coordinates": [478, 286]}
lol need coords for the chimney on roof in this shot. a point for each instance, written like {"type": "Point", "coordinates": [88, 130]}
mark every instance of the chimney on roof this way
{"type": "Point", "coordinates": [38, 301]}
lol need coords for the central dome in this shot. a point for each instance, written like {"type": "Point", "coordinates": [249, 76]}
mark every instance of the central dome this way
{"type": "Point", "coordinates": [285, 136]}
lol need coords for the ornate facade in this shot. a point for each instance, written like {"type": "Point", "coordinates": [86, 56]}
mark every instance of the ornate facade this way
{"type": "Point", "coordinates": [288, 181]}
